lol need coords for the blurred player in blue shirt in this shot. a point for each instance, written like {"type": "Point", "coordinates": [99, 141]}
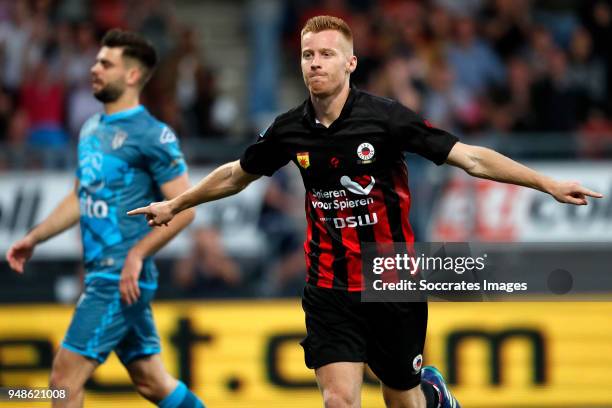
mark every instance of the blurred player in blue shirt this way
{"type": "Point", "coordinates": [127, 159]}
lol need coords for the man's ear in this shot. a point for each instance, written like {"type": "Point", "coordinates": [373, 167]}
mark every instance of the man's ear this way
{"type": "Point", "coordinates": [351, 64]}
{"type": "Point", "coordinates": [134, 75]}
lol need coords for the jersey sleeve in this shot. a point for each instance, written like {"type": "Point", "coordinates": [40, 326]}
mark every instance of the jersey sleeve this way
{"type": "Point", "coordinates": [413, 134]}
{"type": "Point", "coordinates": [164, 157]}
{"type": "Point", "coordinates": [265, 156]}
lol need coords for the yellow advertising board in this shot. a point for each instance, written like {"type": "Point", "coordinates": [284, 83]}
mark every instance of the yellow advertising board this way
{"type": "Point", "coordinates": [245, 354]}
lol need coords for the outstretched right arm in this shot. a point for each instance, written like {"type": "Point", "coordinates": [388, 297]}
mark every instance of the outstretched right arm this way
{"type": "Point", "coordinates": [64, 216]}
{"type": "Point", "coordinates": [224, 181]}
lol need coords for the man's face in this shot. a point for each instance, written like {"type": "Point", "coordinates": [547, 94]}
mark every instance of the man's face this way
{"type": "Point", "coordinates": [327, 61]}
{"type": "Point", "coordinates": [108, 75]}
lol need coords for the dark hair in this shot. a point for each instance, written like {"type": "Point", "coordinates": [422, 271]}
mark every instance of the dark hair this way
{"type": "Point", "coordinates": [134, 46]}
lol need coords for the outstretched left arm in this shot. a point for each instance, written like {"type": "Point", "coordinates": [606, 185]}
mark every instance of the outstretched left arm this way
{"type": "Point", "coordinates": [489, 164]}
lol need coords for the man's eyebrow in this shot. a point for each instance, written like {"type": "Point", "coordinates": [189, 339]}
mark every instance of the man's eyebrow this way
{"type": "Point", "coordinates": [326, 49]}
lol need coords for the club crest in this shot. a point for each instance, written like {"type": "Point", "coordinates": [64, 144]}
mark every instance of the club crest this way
{"type": "Point", "coordinates": [303, 160]}
{"type": "Point", "coordinates": [118, 139]}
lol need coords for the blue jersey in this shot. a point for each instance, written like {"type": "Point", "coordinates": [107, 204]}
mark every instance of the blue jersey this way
{"type": "Point", "coordinates": [124, 158]}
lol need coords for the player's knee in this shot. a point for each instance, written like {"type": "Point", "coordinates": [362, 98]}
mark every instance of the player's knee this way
{"type": "Point", "coordinates": [340, 398]}
{"type": "Point", "coordinates": [61, 378]}
{"type": "Point", "coordinates": [153, 387]}
{"type": "Point", "coordinates": [58, 379]}
{"type": "Point", "coordinates": [59, 373]}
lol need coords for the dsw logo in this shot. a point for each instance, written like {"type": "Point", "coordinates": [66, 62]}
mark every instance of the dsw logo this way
{"type": "Point", "coordinates": [358, 221]}
{"type": "Point", "coordinates": [93, 208]}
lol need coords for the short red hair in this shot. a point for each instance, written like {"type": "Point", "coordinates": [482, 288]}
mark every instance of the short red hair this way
{"type": "Point", "coordinates": [322, 23]}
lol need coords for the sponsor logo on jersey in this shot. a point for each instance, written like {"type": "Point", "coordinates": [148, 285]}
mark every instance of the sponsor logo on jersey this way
{"type": "Point", "coordinates": [355, 187]}
{"type": "Point", "coordinates": [167, 136]}
{"type": "Point", "coordinates": [303, 159]}
{"type": "Point", "coordinates": [356, 221]}
{"type": "Point", "coordinates": [118, 139]}
{"type": "Point", "coordinates": [365, 152]}
{"type": "Point", "coordinates": [93, 208]}
{"type": "Point", "coordinates": [91, 164]}
{"type": "Point", "coordinates": [417, 363]}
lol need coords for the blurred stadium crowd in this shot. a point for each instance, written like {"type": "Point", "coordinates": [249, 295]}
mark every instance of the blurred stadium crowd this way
{"type": "Point", "coordinates": [471, 66]}
{"type": "Point", "coordinates": [47, 48]}
{"type": "Point", "coordinates": [476, 66]}
{"type": "Point", "coordinates": [515, 70]}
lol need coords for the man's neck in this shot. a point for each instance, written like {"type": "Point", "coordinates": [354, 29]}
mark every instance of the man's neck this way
{"type": "Point", "coordinates": [124, 103]}
{"type": "Point", "coordinates": [328, 109]}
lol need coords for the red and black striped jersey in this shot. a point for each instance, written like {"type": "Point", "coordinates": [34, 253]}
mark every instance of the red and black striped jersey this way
{"type": "Point", "coordinates": [355, 177]}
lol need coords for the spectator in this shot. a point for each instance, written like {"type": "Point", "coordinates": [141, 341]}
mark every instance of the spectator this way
{"type": "Point", "coordinates": [155, 20]}
{"type": "Point", "coordinates": [509, 107]}
{"type": "Point", "coordinates": [367, 51]}
{"type": "Point", "coordinates": [465, 8]}
{"type": "Point", "coordinates": [446, 104]}
{"type": "Point", "coordinates": [285, 267]}
{"type": "Point", "coordinates": [507, 26]}
{"type": "Point", "coordinates": [596, 135]}
{"type": "Point", "coordinates": [598, 20]}
{"type": "Point", "coordinates": [475, 65]}
{"type": "Point", "coordinates": [264, 25]}
{"type": "Point", "coordinates": [555, 102]}
{"type": "Point", "coordinates": [396, 79]}
{"type": "Point", "coordinates": [194, 85]}
{"type": "Point", "coordinates": [540, 45]}
{"type": "Point", "coordinates": [208, 271]}
{"type": "Point", "coordinates": [108, 14]}
{"type": "Point", "coordinates": [14, 38]}
{"type": "Point", "coordinates": [83, 55]}
{"type": "Point", "coordinates": [440, 27]}
{"type": "Point", "coordinates": [520, 80]}
{"type": "Point", "coordinates": [42, 100]}
{"type": "Point", "coordinates": [586, 73]}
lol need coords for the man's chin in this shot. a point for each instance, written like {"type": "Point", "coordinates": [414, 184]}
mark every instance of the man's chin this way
{"type": "Point", "coordinates": [105, 97]}
{"type": "Point", "coordinates": [319, 92]}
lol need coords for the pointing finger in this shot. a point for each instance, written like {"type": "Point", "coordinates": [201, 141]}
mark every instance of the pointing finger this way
{"type": "Point", "coordinates": [141, 210]}
{"type": "Point", "coordinates": [590, 193]}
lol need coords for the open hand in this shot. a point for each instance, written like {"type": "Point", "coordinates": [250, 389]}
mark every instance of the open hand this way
{"type": "Point", "coordinates": [19, 253]}
{"type": "Point", "coordinates": [128, 283]}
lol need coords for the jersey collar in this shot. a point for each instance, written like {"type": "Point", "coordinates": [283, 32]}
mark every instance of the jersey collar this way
{"type": "Point", "coordinates": [121, 114]}
{"type": "Point", "coordinates": [309, 115]}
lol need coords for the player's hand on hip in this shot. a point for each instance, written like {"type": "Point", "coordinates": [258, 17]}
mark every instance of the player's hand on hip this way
{"type": "Point", "coordinates": [19, 253]}
{"type": "Point", "coordinates": [571, 192]}
{"type": "Point", "coordinates": [128, 283]}
{"type": "Point", "coordinates": [157, 214]}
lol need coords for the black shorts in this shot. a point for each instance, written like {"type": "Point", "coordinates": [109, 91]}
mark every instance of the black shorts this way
{"type": "Point", "coordinates": [389, 337]}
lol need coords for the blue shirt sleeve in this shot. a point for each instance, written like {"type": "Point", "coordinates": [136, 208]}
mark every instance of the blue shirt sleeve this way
{"type": "Point", "coordinates": [163, 155]}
